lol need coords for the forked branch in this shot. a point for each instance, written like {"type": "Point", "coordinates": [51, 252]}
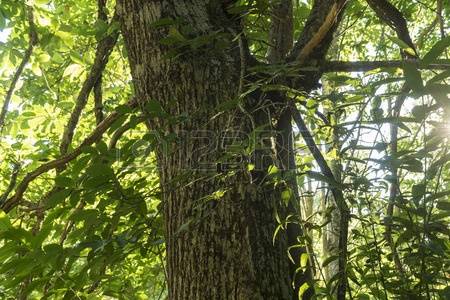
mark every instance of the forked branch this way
{"type": "Point", "coordinates": [104, 49]}
{"type": "Point", "coordinates": [318, 33]}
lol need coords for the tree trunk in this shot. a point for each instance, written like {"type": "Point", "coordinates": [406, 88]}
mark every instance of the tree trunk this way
{"type": "Point", "coordinates": [219, 226]}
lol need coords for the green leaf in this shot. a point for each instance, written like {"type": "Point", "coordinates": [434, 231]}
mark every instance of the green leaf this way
{"type": "Point", "coordinates": [229, 104]}
{"type": "Point", "coordinates": [24, 266]}
{"type": "Point", "coordinates": [86, 215]}
{"type": "Point", "coordinates": [66, 37]}
{"type": "Point", "coordinates": [2, 21]}
{"type": "Point", "coordinates": [174, 38]}
{"type": "Point", "coordinates": [102, 147]}
{"type": "Point", "coordinates": [274, 236]}
{"type": "Point", "coordinates": [64, 181]}
{"type": "Point", "coordinates": [436, 50]}
{"type": "Point", "coordinates": [163, 22]}
{"type": "Point", "coordinates": [100, 29]}
{"type": "Point", "coordinates": [329, 260]}
{"type": "Point", "coordinates": [154, 108]}
{"type": "Point", "coordinates": [184, 227]}
{"type": "Point", "coordinates": [100, 169]}
{"type": "Point", "coordinates": [57, 197]}
{"type": "Point", "coordinates": [413, 77]}
{"type": "Point", "coordinates": [420, 111]}
{"type": "Point", "coordinates": [273, 170]}
{"type": "Point", "coordinates": [405, 236]}
{"type": "Point", "coordinates": [412, 165]}
{"type": "Point", "coordinates": [321, 177]}
{"type": "Point", "coordinates": [118, 123]}
{"type": "Point", "coordinates": [418, 191]}
{"type": "Point", "coordinates": [304, 260]}
{"type": "Point", "coordinates": [286, 196]}
{"type": "Point", "coordinates": [439, 77]}
{"type": "Point", "coordinates": [43, 58]}
{"type": "Point", "coordinates": [402, 44]}
{"type": "Point", "coordinates": [39, 238]}
{"type": "Point", "coordinates": [303, 288]}
{"type": "Point", "coordinates": [72, 70]}
{"type": "Point", "coordinates": [8, 250]}
{"type": "Point", "coordinates": [5, 223]}
{"type": "Point", "coordinates": [443, 205]}
{"type": "Point", "coordinates": [440, 93]}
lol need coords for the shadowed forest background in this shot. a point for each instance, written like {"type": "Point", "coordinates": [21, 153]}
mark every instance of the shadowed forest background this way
{"type": "Point", "coordinates": [235, 149]}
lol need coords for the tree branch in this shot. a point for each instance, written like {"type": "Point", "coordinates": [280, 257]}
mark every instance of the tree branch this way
{"type": "Point", "coordinates": [281, 35]}
{"type": "Point", "coordinates": [338, 196]}
{"type": "Point", "coordinates": [98, 96]}
{"type": "Point", "coordinates": [317, 35]}
{"type": "Point", "coordinates": [364, 66]}
{"type": "Point", "coordinates": [104, 49]}
{"type": "Point", "coordinates": [98, 101]}
{"type": "Point", "coordinates": [33, 40]}
{"type": "Point", "coordinates": [121, 131]}
{"type": "Point", "coordinates": [394, 188]}
{"type": "Point", "coordinates": [440, 18]}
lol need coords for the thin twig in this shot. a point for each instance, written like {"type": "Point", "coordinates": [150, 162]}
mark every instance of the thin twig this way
{"type": "Point", "coordinates": [12, 183]}
{"type": "Point", "coordinates": [440, 18]}
{"type": "Point", "coordinates": [33, 40]}
{"type": "Point", "coordinates": [395, 185]}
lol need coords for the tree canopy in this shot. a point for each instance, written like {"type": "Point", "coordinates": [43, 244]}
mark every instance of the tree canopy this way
{"type": "Point", "coordinates": [366, 84]}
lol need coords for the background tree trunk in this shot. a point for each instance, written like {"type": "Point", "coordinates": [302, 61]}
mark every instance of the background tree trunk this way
{"type": "Point", "coordinates": [218, 246]}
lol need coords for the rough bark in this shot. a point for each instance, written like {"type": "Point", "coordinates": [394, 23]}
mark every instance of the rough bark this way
{"type": "Point", "coordinates": [217, 247]}
{"type": "Point", "coordinates": [281, 37]}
